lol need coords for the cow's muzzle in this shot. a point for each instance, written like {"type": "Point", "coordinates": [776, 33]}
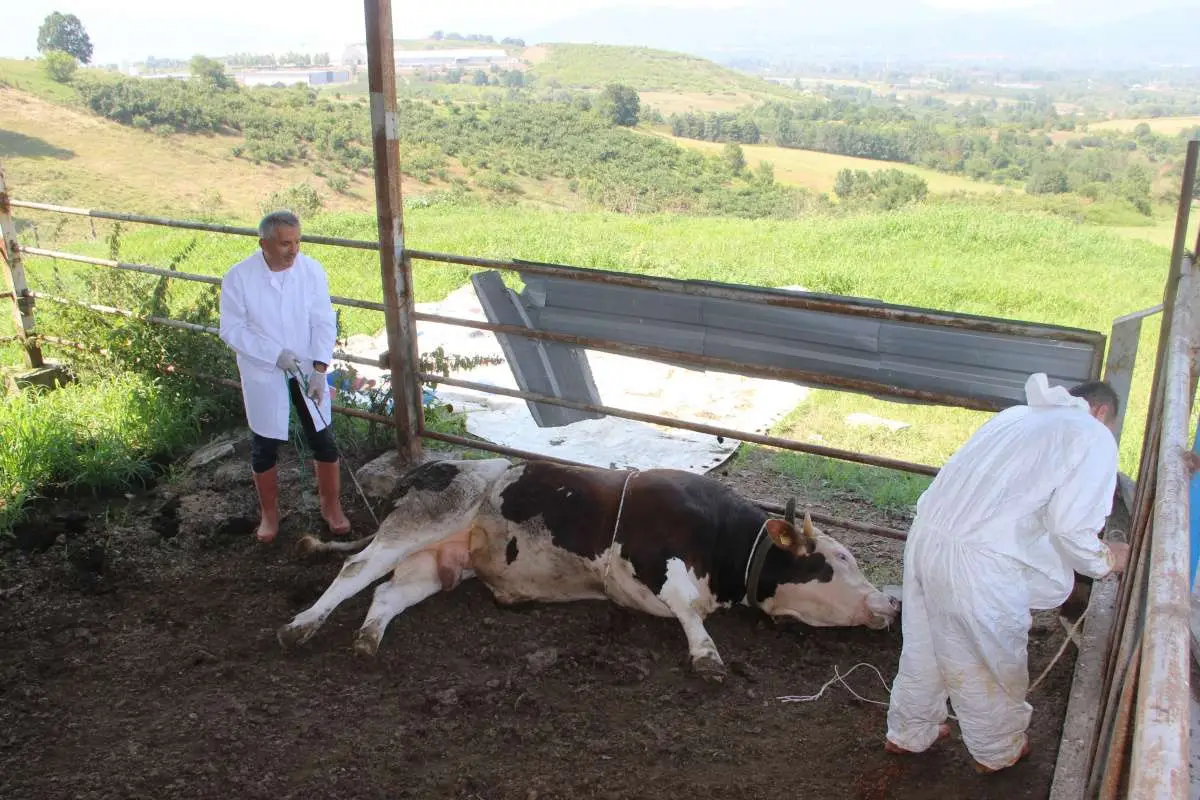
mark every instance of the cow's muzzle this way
{"type": "Point", "coordinates": [882, 610]}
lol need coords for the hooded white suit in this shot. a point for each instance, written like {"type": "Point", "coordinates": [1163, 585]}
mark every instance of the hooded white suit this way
{"type": "Point", "coordinates": [1001, 530]}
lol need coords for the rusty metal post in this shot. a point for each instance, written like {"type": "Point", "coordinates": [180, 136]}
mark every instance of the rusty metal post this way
{"type": "Point", "coordinates": [14, 274]}
{"type": "Point", "coordinates": [1160, 742]}
{"type": "Point", "coordinates": [395, 265]}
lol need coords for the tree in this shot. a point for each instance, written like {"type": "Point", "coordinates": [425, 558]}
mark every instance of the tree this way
{"type": "Point", "coordinates": [620, 104]}
{"type": "Point", "coordinates": [210, 71]}
{"type": "Point", "coordinates": [1048, 178]}
{"type": "Point", "coordinates": [59, 66]}
{"type": "Point", "coordinates": [64, 33]}
{"type": "Point", "coordinates": [734, 157]}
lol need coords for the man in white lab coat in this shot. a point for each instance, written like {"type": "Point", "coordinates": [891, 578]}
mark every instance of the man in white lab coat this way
{"type": "Point", "coordinates": [1001, 530]}
{"type": "Point", "coordinates": [277, 317]}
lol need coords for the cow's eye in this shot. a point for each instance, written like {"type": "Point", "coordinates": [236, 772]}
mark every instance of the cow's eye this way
{"type": "Point", "coordinates": [843, 557]}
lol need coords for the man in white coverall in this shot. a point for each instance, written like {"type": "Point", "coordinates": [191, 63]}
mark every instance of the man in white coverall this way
{"type": "Point", "coordinates": [1001, 530]}
{"type": "Point", "coordinates": [277, 317]}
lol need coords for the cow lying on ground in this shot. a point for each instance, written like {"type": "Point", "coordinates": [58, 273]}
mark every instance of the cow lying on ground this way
{"type": "Point", "coordinates": [665, 542]}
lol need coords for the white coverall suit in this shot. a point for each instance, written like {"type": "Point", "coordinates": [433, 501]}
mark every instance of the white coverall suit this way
{"type": "Point", "coordinates": [999, 532]}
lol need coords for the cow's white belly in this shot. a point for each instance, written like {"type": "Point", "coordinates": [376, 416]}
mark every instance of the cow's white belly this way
{"type": "Point", "coordinates": [521, 563]}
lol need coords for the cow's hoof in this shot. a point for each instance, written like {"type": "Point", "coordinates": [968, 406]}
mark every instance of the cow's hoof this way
{"type": "Point", "coordinates": [293, 636]}
{"type": "Point", "coordinates": [710, 668]}
{"type": "Point", "coordinates": [366, 644]}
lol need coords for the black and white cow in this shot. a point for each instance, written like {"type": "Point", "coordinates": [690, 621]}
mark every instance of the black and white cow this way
{"type": "Point", "coordinates": [665, 542]}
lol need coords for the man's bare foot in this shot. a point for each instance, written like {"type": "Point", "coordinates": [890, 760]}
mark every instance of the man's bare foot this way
{"type": "Point", "coordinates": [895, 749]}
{"type": "Point", "coordinates": [982, 770]}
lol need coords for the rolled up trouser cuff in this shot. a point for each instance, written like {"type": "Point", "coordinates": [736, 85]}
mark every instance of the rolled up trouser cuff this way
{"type": "Point", "coordinates": [999, 757]}
{"type": "Point", "coordinates": [915, 739]}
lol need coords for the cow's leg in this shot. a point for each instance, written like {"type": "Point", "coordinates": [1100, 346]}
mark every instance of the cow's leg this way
{"type": "Point", "coordinates": [681, 595]}
{"type": "Point", "coordinates": [417, 578]}
{"type": "Point", "coordinates": [362, 569]}
{"type": "Point", "coordinates": [432, 511]}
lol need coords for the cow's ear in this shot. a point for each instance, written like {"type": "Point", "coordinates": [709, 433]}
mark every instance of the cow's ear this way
{"type": "Point", "coordinates": [786, 537]}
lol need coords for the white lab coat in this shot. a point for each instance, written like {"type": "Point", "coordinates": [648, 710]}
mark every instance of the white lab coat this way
{"type": "Point", "coordinates": [1001, 530]}
{"type": "Point", "coordinates": [264, 313]}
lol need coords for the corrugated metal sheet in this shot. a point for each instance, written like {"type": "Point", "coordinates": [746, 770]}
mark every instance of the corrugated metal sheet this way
{"type": "Point", "coordinates": [544, 367]}
{"type": "Point", "coordinates": [924, 356]}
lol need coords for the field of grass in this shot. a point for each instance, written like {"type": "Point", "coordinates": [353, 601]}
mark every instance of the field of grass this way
{"type": "Point", "coordinates": [1166, 125]}
{"type": "Point", "coordinates": [29, 76]}
{"type": "Point", "coordinates": [954, 256]}
{"type": "Point", "coordinates": [645, 69]}
{"type": "Point", "coordinates": [56, 154]}
{"type": "Point", "coordinates": [699, 102]}
{"type": "Point", "coordinates": [818, 171]}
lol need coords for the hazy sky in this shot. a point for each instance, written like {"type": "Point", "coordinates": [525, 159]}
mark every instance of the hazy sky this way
{"type": "Point", "coordinates": [215, 27]}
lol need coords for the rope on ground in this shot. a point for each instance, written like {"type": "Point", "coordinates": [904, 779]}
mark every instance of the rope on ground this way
{"type": "Point", "coordinates": [838, 677]}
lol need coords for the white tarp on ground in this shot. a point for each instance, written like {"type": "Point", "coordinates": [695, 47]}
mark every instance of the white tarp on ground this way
{"type": "Point", "coordinates": [731, 401]}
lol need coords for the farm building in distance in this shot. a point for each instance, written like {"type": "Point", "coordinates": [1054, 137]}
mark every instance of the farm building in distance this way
{"type": "Point", "coordinates": [285, 76]}
{"type": "Point", "coordinates": [311, 76]}
{"type": "Point", "coordinates": [356, 56]}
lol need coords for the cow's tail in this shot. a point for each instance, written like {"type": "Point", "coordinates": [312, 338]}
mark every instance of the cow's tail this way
{"type": "Point", "coordinates": [310, 545]}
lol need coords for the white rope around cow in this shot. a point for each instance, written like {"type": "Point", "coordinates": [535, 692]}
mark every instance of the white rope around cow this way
{"type": "Point", "coordinates": [616, 527]}
{"type": "Point", "coordinates": [838, 677]}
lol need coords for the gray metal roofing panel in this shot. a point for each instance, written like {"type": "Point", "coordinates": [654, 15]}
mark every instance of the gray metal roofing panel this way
{"type": "Point", "coordinates": [814, 327]}
{"type": "Point", "coordinates": [536, 367]}
{"type": "Point", "coordinates": [929, 357]}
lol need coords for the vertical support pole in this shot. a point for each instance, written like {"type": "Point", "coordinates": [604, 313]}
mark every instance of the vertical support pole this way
{"type": "Point", "coordinates": [14, 274]}
{"type": "Point", "coordinates": [1159, 762]}
{"type": "Point", "coordinates": [395, 265]}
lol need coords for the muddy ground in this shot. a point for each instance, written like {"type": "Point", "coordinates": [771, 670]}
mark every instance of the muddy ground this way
{"type": "Point", "coordinates": [138, 660]}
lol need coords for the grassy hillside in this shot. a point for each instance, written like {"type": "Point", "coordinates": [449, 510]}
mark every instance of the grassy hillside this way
{"type": "Point", "coordinates": [818, 171]}
{"type": "Point", "coordinates": [954, 256]}
{"type": "Point", "coordinates": [1167, 125]}
{"type": "Point", "coordinates": [645, 69]}
{"type": "Point", "coordinates": [29, 76]}
{"type": "Point", "coordinates": [58, 154]}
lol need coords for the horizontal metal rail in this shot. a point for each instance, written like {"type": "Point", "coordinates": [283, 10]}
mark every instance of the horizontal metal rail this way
{"type": "Point", "coordinates": [721, 364]}
{"type": "Point", "coordinates": [211, 227]}
{"type": "Point", "coordinates": [174, 323]}
{"type": "Point", "coordinates": [819, 518]}
{"type": "Point", "coordinates": [854, 307]}
{"type": "Point", "coordinates": [172, 369]}
{"type": "Point", "coordinates": [619, 348]}
{"type": "Point", "coordinates": [713, 430]}
{"type": "Point", "coordinates": [175, 274]}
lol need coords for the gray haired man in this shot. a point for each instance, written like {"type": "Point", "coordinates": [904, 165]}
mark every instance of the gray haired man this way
{"type": "Point", "coordinates": [277, 317]}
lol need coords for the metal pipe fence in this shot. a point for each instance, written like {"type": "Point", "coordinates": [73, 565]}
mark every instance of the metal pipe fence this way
{"type": "Point", "coordinates": [383, 362]}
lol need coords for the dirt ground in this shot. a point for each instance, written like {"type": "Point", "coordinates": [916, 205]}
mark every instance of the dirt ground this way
{"type": "Point", "coordinates": [138, 660]}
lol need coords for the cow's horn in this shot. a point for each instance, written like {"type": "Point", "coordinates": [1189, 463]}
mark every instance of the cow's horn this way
{"type": "Point", "coordinates": [789, 511]}
{"type": "Point", "coordinates": [809, 533]}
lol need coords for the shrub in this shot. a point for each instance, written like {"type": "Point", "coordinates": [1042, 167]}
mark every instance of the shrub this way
{"type": "Point", "coordinates": [301, 199]}
{"type": "Point", "coordinates": [59, 66]}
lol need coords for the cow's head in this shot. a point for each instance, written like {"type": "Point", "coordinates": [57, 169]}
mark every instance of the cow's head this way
{"type": "Point", "coordinates": [817, 581]}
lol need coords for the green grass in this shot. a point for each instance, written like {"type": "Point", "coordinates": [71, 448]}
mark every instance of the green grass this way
{"type": "Point", "coordinates": [818, 171]}
{"type": "Point", "coordinates": [643, 68]}
{"type": "Point", "coordinates": [956, 256]}
{"type": "Point", "coordinates": [29, 76]}
{"type": "Point", "coordinates": [94, 436]}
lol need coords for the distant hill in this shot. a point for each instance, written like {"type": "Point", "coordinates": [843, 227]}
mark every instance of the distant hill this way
{"type": "Point", "coordinates": [645, 69]}
{"type": "Point", "coordinates": [1104, 33]}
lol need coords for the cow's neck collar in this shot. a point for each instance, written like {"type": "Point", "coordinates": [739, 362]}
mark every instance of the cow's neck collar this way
{"type": "Point", "coordinates": [754, 564]}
